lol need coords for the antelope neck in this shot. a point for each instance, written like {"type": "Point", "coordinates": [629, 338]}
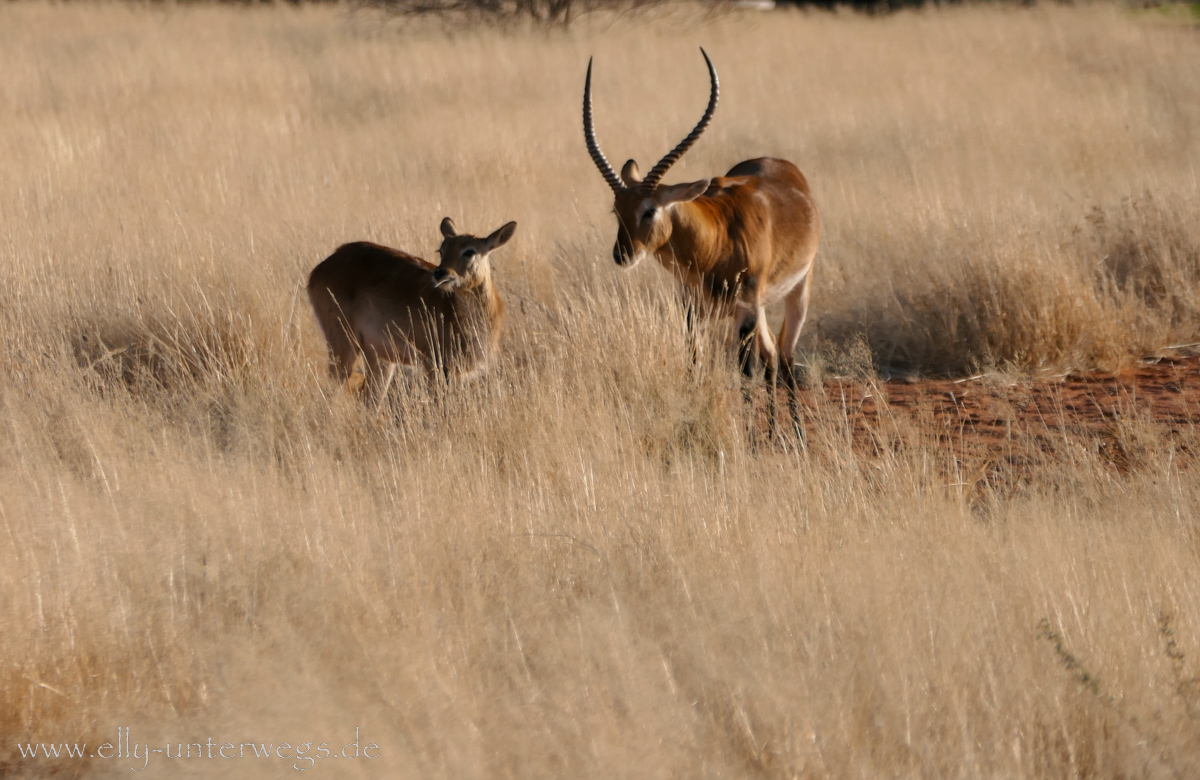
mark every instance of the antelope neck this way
{"type": "Point", "coordinates": [696, 241]}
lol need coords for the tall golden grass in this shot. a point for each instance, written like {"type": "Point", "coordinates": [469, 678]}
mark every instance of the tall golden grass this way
{"type": "Point", "coordinates": [583, 566]}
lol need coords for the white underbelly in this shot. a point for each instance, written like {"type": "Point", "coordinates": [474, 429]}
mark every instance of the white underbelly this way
{"type": "Point", "coordinates": [781, 288]}
{"type": "Point", "coordinates": [387, 343]}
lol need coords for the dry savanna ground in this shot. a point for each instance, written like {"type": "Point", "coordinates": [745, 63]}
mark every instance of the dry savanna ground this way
{"type": "Point", "coordinates": [585, 565]}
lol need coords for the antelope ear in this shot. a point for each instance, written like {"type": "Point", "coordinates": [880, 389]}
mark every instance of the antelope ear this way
{"type": "Point", "coordinates": [630, 173]}
{"type": "Point", "coordinates": [679, 193]}
{"type": "Point", "coordinates": [448, 228]}
{"type": "Point", "coordinates": [501, 236]}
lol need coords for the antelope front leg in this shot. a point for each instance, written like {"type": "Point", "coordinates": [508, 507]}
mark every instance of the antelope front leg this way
{"type": "Point", "coordinates": [387, 383]}
{"type": "Point", "coordinates": [747, 329]}
{"type": "Point", "coordinates": [691, 317]}
{"type": "Point", "coordinates": [377, 377]}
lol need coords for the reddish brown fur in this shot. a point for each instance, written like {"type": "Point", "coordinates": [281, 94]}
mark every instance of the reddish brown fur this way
{"type": "Point", "coordinates": [748, 241]}
{"type": "Point", "coordinates": [735, 246]}
{"type": "Point", "coordinates": [737, 242]}
{"type": "Point", "coordinates": [380, 305]}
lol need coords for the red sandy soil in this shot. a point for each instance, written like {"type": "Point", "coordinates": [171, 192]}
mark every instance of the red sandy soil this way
{"type": "Point", "coordinates": [990, 424]}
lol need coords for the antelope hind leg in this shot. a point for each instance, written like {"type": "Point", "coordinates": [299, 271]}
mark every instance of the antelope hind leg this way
{"type": "Point", "coordinates": [770, 358]}
{"type": "Point", "coordinates": [795, 312]}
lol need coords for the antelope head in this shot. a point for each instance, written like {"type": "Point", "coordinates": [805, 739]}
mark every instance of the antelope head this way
{"type": "Point", "coordinates": [642, 206]}
{"type": "Point", "coordinates": [464, 258]}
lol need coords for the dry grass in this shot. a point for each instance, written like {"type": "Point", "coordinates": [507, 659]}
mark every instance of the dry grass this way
{"type": "Point", "coordinates": [580, 567]}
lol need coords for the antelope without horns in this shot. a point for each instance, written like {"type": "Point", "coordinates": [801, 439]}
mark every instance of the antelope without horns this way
{"type": "Point", "coordinates": [737, 242]}
{"type": "Point", "coordinates": [378, 305]}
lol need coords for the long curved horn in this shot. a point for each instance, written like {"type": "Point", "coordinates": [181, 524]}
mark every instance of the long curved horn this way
{"type": "Point", "coordinates": [589, 135]}
{"type": "Point", "coordinates": [660, 168]}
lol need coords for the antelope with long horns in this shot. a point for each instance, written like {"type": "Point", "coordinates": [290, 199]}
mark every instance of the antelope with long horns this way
{"type": "Point", "coordinates": [737, 242]}
{"type": "Point", "coordinates": [378, 305]}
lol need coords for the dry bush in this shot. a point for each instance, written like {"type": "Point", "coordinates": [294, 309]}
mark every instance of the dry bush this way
{"type": "Point", "coordinates": [583, 566]}
{"type": "Point", "coordinates": [552, 13]}
{"type": "Point", "coordinates": [1111, 288]}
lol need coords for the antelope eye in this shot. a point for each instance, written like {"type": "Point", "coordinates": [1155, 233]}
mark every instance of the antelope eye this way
{"type": "Point", "coordinates": [468, 253]}
{"type": "Point", "coordinates": [649, 214]}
